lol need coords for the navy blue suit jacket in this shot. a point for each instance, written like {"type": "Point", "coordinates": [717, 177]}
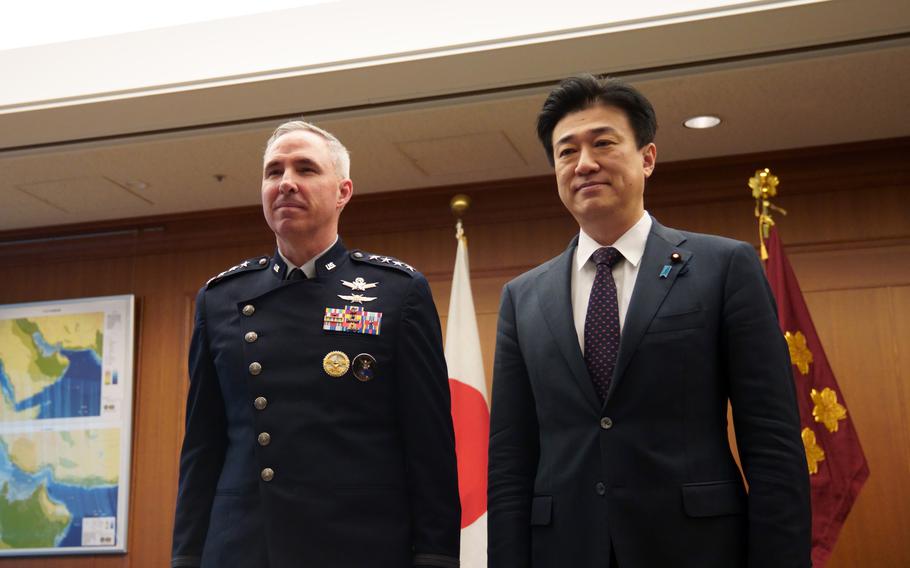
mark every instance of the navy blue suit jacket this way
{"type": "Point", "coordinates": [649, 475]}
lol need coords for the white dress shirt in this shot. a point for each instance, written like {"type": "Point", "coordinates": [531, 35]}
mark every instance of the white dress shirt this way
{"type": "Point", "coordinates": [309, 267]}
{"type": "Point", "coordinates": [632, 246]}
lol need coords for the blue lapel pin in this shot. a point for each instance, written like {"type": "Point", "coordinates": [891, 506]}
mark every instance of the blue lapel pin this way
{"type": "Point", "coordinates": [665, 271]}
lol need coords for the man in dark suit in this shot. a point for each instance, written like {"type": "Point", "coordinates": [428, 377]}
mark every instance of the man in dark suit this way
{"type": "Point", "coordinates": [614, 365]}
{"type": "Point", "coordinates": [318, 425]}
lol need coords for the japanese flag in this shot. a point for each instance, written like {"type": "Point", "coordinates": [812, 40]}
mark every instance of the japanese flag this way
{"type": "Point", "coordinates": [470, 410]}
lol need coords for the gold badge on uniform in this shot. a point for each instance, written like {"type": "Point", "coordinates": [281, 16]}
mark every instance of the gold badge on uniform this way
{"type": "Point", "coordinates": [364, 367]}
{"type": "Point", "coordinates": [336, 364]}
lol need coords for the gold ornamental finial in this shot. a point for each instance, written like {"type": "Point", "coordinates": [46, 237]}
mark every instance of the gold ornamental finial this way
{"type": "Point", "coordinates": [764, 186]}
{"type": "Point", "coordinates": [459, 204]}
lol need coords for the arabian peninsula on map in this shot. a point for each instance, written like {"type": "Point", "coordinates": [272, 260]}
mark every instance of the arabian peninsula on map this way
{"type": "Point", "coordinates": [52, 479]}
{"type": "Point", "coordinates": [50, 366]}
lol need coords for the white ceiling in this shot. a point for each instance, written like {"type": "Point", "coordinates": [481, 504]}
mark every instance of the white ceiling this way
{"type": "Point", "coordinates": [816, 95]}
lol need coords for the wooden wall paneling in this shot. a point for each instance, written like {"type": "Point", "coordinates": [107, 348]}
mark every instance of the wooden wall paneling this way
{"type": "Point", "coordinates": [157, 413]}
{"type": "Point", "coordinates": [852, 266]}
{"type": "Point", "coordinates": [866, 340]}
{"type": "Point", "coordinates": [847, 236]}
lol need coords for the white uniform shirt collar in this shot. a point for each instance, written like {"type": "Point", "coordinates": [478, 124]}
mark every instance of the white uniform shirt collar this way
{"type": "Point", "coordinates": [631, 244]}
{"type": "Point", "coordinates": [309, 267]}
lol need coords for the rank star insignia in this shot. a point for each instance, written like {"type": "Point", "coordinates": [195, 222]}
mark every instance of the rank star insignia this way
{"type": "Point", "coordinates": [827, 410]}
{"type": "Point", "coordinates": [357, 298]}
{"type": "Point", "coordinates": [360, 284]}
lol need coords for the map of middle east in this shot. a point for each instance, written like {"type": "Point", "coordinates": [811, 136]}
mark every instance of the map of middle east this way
{"type": "Point", "coordinates": [57, 482]}
{"type": "Point", "coordinates": [50, 366]}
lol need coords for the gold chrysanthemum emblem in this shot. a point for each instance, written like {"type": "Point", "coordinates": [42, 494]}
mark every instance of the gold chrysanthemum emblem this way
{"type": "Point", "coordinates": [799, 351]}
{"type": "Point", "coordinates": [827, 410]}
{"type": "Point", "coordinates": [814, 454]}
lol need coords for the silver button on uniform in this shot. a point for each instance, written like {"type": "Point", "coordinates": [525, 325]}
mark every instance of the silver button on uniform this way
{"type": "Point", "coordinates": [606, 423]}
{"type": "Point", "coordinates": [248, 310]}
{"type": "Point", "coordinates": [251, 336]}
{"type": "Point", "coordinates": [255, 368]}
{"type": "Point", "coordinates": [600, 488]}
{"type": "Point", "coordinates": [267, 474]}
{"type": "Point", "coordinates": [264, 438]}
{"type": "Point", "coordinates": [260, 403]}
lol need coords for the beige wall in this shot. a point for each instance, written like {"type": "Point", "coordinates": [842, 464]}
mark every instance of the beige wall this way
{"type": "Point", "coordinates": [847, 235]}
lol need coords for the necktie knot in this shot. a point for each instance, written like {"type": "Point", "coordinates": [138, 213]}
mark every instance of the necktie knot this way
{"type": "Point", "coordinates": [606, 255]}
{"type": "Point", "coordinates": [296, 274]}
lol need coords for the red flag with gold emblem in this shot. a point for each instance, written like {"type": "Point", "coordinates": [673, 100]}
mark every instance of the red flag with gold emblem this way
{"type": "Point", "coordinates": [837, 465]}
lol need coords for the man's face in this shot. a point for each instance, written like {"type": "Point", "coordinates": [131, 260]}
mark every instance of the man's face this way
{"type": "Point", "coordinates": [302, 194]}
{"type": "Point", "coordinates": [600, 171]}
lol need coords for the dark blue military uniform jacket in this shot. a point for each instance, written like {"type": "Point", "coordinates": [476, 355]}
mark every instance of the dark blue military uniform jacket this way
{"type": "Point", "coordinates": [318, 428]}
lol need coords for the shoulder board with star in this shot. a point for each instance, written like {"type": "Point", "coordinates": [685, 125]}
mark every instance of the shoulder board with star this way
{"type": "Point", "coordinates": [382, 260]}
{"type": "Point", "coordinates": [248, 265]}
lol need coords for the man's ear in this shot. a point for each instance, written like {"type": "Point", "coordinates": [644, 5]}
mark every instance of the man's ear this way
{"type": "Point", "coordinates": [345, 191]}
{"type": "Point", "coordinates": [648, 158]}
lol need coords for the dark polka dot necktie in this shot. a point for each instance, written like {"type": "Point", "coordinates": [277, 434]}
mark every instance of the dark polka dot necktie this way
{"type": "Point", "coordinates": [602, 322]}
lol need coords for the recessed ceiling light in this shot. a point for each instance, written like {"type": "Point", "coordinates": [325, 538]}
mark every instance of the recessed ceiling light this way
{"type": "Point", "coordinates": [136, 184]}
{"type": "Point", "coordinates": [703, 121]}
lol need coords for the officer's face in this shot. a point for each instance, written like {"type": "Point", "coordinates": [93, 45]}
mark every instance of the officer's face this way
{"type": "Point", "coordinates": [600, 171]}
{"type": "Point", "coordinates": [302, 193]}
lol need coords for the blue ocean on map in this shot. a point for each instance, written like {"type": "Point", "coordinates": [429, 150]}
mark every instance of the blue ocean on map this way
{"type": "Point", "coordinates": [81, 502]}
{"type": "Point", "coordinates": [77, 393]}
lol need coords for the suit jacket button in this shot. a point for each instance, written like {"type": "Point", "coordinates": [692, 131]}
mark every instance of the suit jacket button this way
{"type": "Point", "coordinates": [267, 474]}
{"type": "Point", "coordinates": [264, 438]}
{"type": "Point", "coordinates": [260, 403]}
{"type": "Point", "coordinates": [600, 488]}
{"type": "Point", "coordinates": [251, 336]}
{"type": "Point", "coordinates": [606, 423]}
{"type": "Point", "coordinates": [255, 368]}
{"type": "Point", "coordinates": [248, 310]}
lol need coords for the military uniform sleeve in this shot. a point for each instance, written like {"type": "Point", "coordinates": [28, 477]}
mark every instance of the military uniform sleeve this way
{"type": "Point", "coordinates": [514, 448]}
{"type": "Point", "coordinates": [426, 423]}
{"type": "Point", "coordinates": [766, 418]}
{"type": "Point", "coordinates": [203, 450]}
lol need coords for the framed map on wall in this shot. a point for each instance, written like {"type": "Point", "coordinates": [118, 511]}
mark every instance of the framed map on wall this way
{"type": "Point", "coordinates": [66, 392]}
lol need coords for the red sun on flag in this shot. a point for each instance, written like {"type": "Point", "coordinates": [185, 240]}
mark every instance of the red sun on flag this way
{"type": "Point", "coordinates": [471, 419]}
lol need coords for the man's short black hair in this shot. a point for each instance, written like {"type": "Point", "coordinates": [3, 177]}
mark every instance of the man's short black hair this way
{"type": "Point", "coordinates": [582, 91]}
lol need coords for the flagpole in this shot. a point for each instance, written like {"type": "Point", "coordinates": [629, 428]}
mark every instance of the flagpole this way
{"type": "Point", "coordinates": [470, 407]}
{"type": "Point", "coordinates": [764, 186]}
{"type": "Point", "coordinates": [459, 204]}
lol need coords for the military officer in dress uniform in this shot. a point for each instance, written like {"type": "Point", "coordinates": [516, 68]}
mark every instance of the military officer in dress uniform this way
{"type": "Point", "coordinates": [318, 425]}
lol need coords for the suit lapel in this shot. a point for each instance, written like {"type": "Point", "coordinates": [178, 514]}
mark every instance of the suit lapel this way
{"type": "Point", "coordinates": [650, 291]}
{"type": "Point", "coordinates": [554, 296]}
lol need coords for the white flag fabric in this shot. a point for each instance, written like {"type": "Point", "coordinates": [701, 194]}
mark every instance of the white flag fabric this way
{"type": "Point", "coordinates": [470, 410]}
